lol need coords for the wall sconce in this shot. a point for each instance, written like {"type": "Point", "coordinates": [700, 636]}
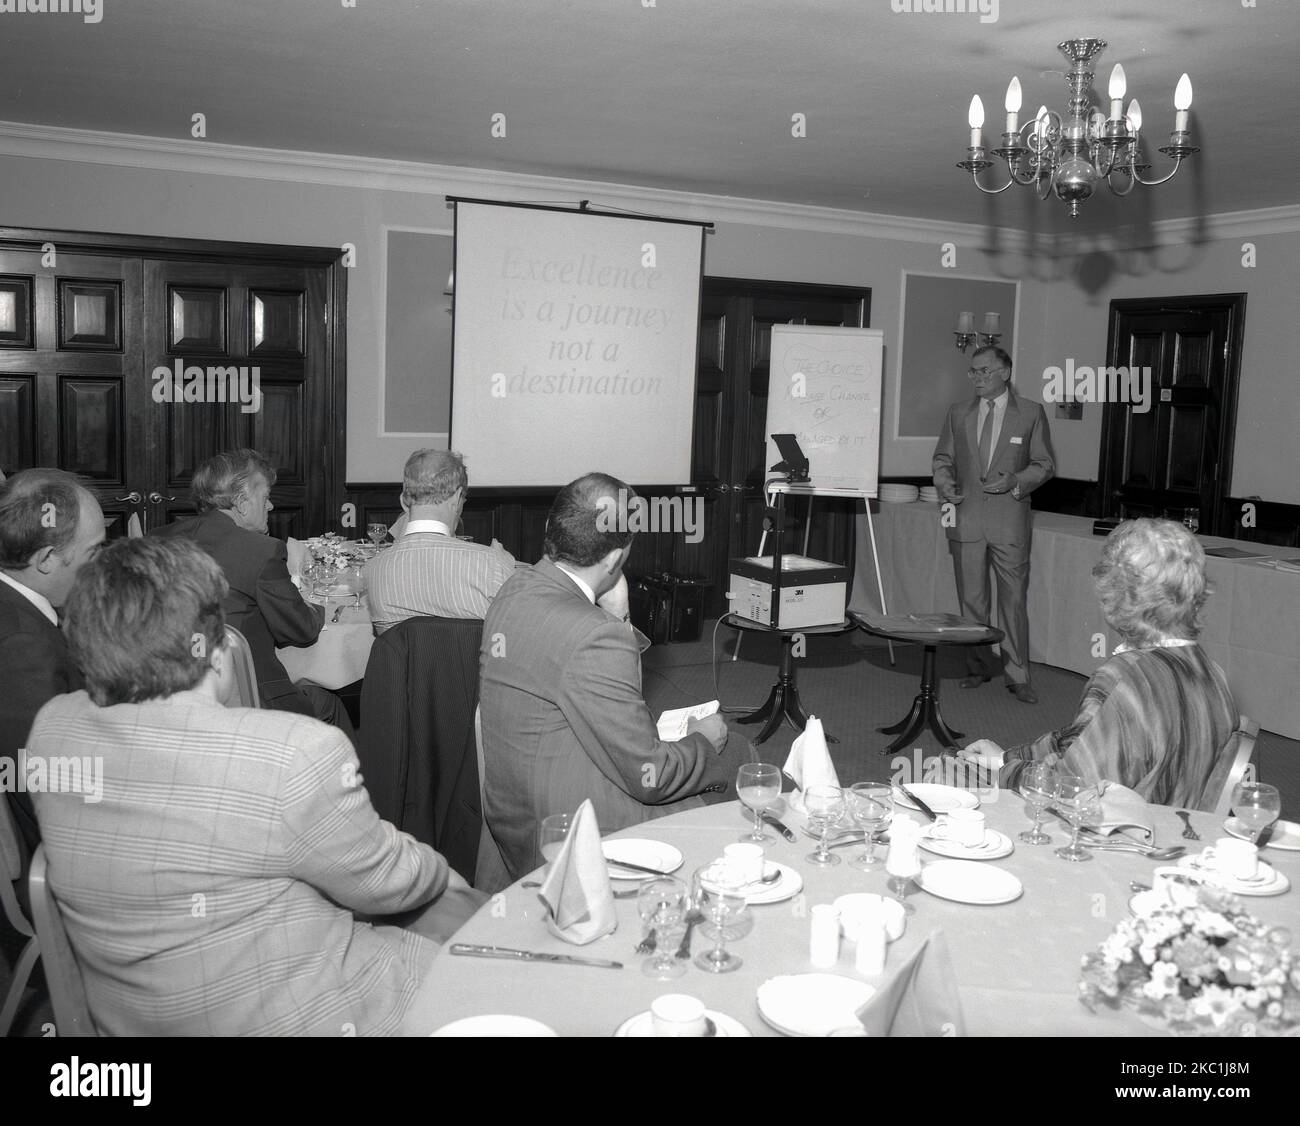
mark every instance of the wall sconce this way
{"type": "Point", "coordinates": [450, 290]}
{"type": "Point", "coordinates": [990, 332]}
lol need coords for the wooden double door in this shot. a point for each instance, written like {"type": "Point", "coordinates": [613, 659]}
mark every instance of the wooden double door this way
{"type": "Point", "coordinates": [130, 361]}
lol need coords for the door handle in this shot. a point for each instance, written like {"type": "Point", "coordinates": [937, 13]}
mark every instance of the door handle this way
{"type": "Point", "coordinates": [156, 497]}
{"type": "Point", "coordinates": [132, 497]}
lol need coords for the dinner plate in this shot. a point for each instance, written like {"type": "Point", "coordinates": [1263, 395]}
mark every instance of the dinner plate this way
{"type": "Point", "coordinates": [812, 1004]}
{"type": "Point", "coordinates": [996, 845]}
{"type": "Point", "coordinates": [787, 887]}
{"type": "Point", "coordinates": [1286, 834]}
{"type": "Point", "coordinates": [495, 1024]}
{"type": "Point", "coordinates": [966, 881]}
{"type": "Point", "coordinates": [1268, 881]}
{"type": "Point", "coordinates": [647, 853]}
{"type": "Point", "coordinates": [941, 799]}
{"type": "Point", "coordinates": [643, 1025]}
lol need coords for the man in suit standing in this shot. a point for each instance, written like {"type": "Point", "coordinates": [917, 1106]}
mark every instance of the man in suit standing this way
{"type": "Point", "coordinates": [563, 713]}
{"type": "Point", "coordinates": [226, 874]}
{"type": "Point", "coordinates": [993, 451]}
{"type": "Point", "coordinates": [233, 494]}
{"type": "Point", "coordinates": [50, 525]}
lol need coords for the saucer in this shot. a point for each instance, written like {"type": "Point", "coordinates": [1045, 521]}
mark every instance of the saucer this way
{"type": "Point", "coordinates": [940, 798]}
{"type": "Point", "coordinates": [787, 887]}
{"type": "Point", "coordinates": [495, 1024]}
{"type": "Point", "coordinates": [965, 882]}
{"type": "Point", "coordinates": [1286, 834]}
{"type": "Point", "coordinates": [643, 1025]}
{"type": "Point", "coordinates": [1268, 880]}
{"type": "Point", "coordinates": [812, 1004]}
{"type": "Point", "coordinates": [646, 853]}
{"type": "Point", "coordinates": [995, 846]}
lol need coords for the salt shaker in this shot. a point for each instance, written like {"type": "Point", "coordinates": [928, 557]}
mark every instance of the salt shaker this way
{"type": "Point", "coordinates": [872, 943]}
{"type": "Point", "coordinates": [824, 940]}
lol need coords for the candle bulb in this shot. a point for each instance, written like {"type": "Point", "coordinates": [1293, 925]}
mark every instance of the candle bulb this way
{"type": "Point", "coordinates": [1013, 105]}
{"type": "Point", "coordinates": [992, 324]}
{"type": "Point", "coordinates": [1182, 103]}
{"type": "Point", "coordinates": [1134, 116]}
{"type": "Point", "coordinates": [966, 322]}
{"type": "Point", "coordinates": [1040, 122]}
{"type": "Point", "coordinates": [976, 119]}
{"type": "Point", "coordinates": [1117, 88]}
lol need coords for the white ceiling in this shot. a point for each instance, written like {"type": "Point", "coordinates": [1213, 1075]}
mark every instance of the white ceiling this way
{"type": "Point", "coordinates": [692, 95]}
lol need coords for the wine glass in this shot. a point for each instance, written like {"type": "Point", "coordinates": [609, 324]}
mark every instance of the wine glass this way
{"type": "Point", "coordinates": [1038, 787]}
{"type": "Point", "coordinates": [1256, 806]}
{"type": "Point", "coordinates": [1079, 802]}
{"type": "Point", "coordinates": [825, 806]}
{"type": "Point", "coordinates": [758, 785]}
{"type": "Point", "coordinates": [872, 806]}
{"type": "Point", "coordinates": [377, 533]}
{"type": "Point", "coordinates": [726, 915]}
{"type": "Point", "coordinates": [551, 835]}
{"type": "Point", "coordinates": [357, 580]}
{"type": "Point", "coordinates": [662, 905]}
{"type": "Point", "coordinates": [327, 583]}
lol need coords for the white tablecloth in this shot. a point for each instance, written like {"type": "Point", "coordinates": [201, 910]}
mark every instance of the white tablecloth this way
{"type": "Point", "coordinates": [1252, 619]}
{"type": "Point", "coordinates": [1016, 965]}
{"type": "Point", "coordinates": [340, 654]}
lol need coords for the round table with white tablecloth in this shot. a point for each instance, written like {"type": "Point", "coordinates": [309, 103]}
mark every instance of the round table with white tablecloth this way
{"type": "Point", "coordinates": [338, 657]}
{"type": "Point", "coordinates": [1016, 965]}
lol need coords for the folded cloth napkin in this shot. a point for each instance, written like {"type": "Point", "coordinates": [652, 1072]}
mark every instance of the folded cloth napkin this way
{"type": "Point", "coordinates": [133, 529]}
{"type": "Point", "coordinates": [920, 998]}
{"type": "Point", "coordinates": [1124, 813]}
{"type": "Point", "coordinates": [576, 888]}
{"type": "Point", "coordinates": [297, 556]}
{"type": "Point", "coordinates": [809, 762]}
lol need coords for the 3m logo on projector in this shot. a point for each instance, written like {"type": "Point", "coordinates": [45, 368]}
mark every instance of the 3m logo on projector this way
{"type": "Point", "coordinates": [678, 515]}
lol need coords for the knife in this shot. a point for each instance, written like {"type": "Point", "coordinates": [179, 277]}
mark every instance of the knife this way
{"type": "Point", "coordinates": [531, 956]}
{"type": "Point", "coordinates": [635, 867]}
{"type": "Point", "coordinates": [1264, 834]}
{"type": "Point", "coordinates": [930, 813]}
{"type": "Point", "coordinates": [776, 824]}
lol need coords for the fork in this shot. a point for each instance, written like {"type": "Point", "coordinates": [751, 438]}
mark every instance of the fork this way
{"type": "Point", "coordinates": [1188, 832]}
{"type": "Point", "coordinates": [647, 945]}
{"type": "Point", "coordinates": [684, 948]}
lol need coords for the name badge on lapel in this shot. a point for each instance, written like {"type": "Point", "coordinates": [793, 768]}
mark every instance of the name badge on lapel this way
{"type": "Point", "coordinates": [1017, 440]}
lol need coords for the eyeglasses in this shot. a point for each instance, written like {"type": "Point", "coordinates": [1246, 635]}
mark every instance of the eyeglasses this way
{"type": "Point", "coordinates": [971, 373]}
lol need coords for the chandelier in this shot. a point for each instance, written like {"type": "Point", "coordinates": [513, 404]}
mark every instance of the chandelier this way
{"type": "Point", "coordinates": [1070, 155]}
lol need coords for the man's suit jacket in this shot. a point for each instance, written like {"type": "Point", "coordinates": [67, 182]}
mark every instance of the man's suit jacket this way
{"type": "Point", "coordinates": [211, 889]}
{"type": "Point", "coordinates": [1024, 448]}
{"type": "Point", "coordinates": [263, 604]}
{"type": "Point", "coordinates": [564, 719]}
{"type": "Point", "coordinates": [34, 667]}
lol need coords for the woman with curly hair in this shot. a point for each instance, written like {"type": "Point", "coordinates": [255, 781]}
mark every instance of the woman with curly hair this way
{"type": "Point", "coordinates": [1157, 716]}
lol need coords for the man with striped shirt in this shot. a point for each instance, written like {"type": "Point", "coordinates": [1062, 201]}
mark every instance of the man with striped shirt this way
{"type": "Point", "coordinates": [429, 571]}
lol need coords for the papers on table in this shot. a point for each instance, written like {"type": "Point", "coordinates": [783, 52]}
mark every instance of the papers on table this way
{"type": "Point", "coordinates": [672, 724]}
{"type": "Point", "coordinates": [1234, 553]}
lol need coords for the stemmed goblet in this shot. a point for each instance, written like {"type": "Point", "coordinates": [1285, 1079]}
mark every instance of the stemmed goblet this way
{"type": "Point", "coordinates": [662, 906]}
{"type": "Point", "coordinates": [871, 805]}
{"type": "Point", "coordinates": [824, 806]}
{"type": "Point", "coordinates": [1038, 787]}
{"type": "Point", "coordinates": [1256, 806]}
{"type": "Point", "coordinates": [1079, 801]}
{"type": "Point", "coordinates": [357, 580]}
{"type": "Point", "coordinates": [721, 900]}
{"type": "Point", "coordinates": [377, 533]}
{"type": "Point", "coordinates": [758, 785]}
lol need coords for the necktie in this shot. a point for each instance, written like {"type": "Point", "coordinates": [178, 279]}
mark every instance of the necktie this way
{"type": "Point", "coordinates": [986, 437]}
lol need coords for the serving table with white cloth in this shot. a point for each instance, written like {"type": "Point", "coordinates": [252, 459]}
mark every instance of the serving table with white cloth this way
{"type": "Point", "coordinates": [1016, 965]}
{"type": "Point", "coordinates": [338, 657]}
{"type": "Point", "coordinates": [1252, 618]}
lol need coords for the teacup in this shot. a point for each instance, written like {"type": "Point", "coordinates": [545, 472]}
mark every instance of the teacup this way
{"type": "Point", "coordinates": [746, 860]}
{"type": "Point", "coordinates": [1231, 857]}
{"type": "Point", "coordinates": [678, 1014]}
{"type": "Point", "coordinates": [962, 826]}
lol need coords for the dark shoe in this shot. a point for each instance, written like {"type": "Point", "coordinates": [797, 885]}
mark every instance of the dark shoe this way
{"type": "Point", "coordinates": [1023, 693]}
{"type": "Point", "coordinates": [974, 681]}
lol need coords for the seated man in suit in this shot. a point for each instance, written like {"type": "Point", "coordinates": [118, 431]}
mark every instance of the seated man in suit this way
{"type": "Point", "coordinates": [50, 525]}
{"type": "Point", "coordinates": [209, 884]}
{"type": "Point", "coordinates": [233, 494]}
{"type": "Point", "coordinates": [429, 572]}
{"type": "Point", "coordinates": [562, 708]}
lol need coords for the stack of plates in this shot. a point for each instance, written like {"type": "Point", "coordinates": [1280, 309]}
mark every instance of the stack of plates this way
{"type": "Point", "coordinates": [930, 494]}
{"type": "Point", "coordinates": [899, 494]}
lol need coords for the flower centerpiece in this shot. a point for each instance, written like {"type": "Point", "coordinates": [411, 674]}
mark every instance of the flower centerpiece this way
{"type": "Point", "coordinates": [1192, 960]}
{"type": "Point", "coordinates": [331, 551]}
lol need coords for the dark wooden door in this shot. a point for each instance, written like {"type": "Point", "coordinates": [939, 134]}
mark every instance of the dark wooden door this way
{"type": "Point", "coordinates": [1176, 456]}
{"type": "Point", "coordinates": [84, 334]}
{"type": "Point", "coordinates": [729, 464]}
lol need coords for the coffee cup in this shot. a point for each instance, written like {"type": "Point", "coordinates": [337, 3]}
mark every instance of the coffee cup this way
{"type": "Point", "coordinates": [1236, 859]}
{"type": "Point", "coordinates": [746, 860]}
{"type": "Point", "coordinates": [678, 1014]}
{"type": "Point", "coordinates": [961, 826]}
